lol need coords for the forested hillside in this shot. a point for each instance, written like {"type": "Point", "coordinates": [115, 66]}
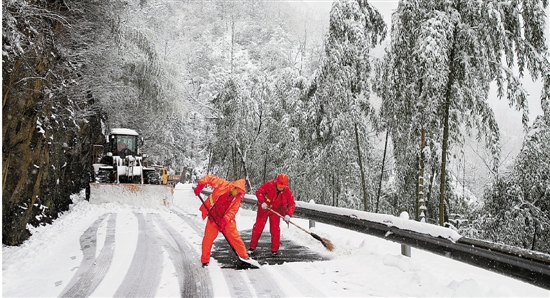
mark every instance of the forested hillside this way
{"type": "Point", "coordinates": [251, 89]}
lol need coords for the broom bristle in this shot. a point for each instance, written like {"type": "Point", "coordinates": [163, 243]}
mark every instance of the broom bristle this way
{"type": "Point", "coordinates": [328, 244]}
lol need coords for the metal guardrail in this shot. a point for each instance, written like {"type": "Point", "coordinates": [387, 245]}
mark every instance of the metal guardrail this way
{"type": "Point", "coordinates": [533, 268]}
{"type": "Point", "coordinates": [530, 267]}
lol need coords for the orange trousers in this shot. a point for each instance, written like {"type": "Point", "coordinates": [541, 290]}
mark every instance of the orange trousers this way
{"type": "Point", "coordinates": [231, 233]}
{"type": "Point", "coordinates": [274, 229]}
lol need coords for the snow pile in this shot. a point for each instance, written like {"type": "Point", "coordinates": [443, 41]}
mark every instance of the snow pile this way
{"type": "Point", "coordinates": [140, 195]}
{"type": "Point", "coordinates": [388, 220]}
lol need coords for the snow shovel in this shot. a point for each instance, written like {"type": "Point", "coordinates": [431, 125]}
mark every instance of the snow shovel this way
{"type": "Point", "coordinates": [326, 243]}
{"type": "Point", "coordinates": [251, 262]}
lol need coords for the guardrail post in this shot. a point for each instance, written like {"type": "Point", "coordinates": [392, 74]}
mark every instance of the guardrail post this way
{"type": "Point", "coordinates": [405, 249]}
{"type": "Point", "coordinates": [311, 222]}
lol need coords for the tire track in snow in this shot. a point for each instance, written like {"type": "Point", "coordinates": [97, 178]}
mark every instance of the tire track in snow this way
{"type": "Point", "coordinates": [194, 281]}
{"type": "Point", "coordinates": [190, 222]}
{"type": "Point", "coordinates": [143, 276]}
{"type": "Point", "coordinates": [264, 284]}
{"type": "Point", "coordinates": [91, 270]}
{"type": "Point", "coordinates": [301, 284]}
{"type": "Point", "coordinates": [236, 284]}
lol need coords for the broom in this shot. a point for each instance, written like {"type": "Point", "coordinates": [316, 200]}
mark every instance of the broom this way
{"type": "Point", "coordinates": [326, 243]}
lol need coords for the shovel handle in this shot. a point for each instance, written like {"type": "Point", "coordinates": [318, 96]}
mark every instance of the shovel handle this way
{"type": "Point", "coordinates": [208, 211]}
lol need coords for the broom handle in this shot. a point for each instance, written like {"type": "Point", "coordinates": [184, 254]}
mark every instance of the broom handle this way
{"type": "Point", "coordinates": [289, 221]}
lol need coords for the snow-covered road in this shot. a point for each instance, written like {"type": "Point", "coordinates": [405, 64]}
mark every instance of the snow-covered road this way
{"type": "Point", "coordinates": [131, 252]}
{"type": "Point", "coordinates": [161, 256]}
{"type": "Point", "coordinates": [115, 250]}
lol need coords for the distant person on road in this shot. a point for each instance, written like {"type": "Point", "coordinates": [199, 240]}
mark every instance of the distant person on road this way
{"type": "Point", "coordinates": [222, 204]}
{"type": "Point", "coordinates": [274, 194]}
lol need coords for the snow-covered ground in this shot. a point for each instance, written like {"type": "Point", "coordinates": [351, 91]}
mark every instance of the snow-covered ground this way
{"type": "Point", "coordinates": [361, 265]}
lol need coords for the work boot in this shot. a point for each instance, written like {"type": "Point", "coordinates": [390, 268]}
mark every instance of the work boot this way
{"type": "Point", "coordinates": [274, 253]}
{"type": "Point", "coordinates": [204, 265]}
{"type": "Point", "coordinates": [251, 251]}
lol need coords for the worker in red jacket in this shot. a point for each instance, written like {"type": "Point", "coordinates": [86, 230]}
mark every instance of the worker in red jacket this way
{"type": "Point", "coordinates": [222, 204]}
{"type": "Point", "coordinates": [274, 194]}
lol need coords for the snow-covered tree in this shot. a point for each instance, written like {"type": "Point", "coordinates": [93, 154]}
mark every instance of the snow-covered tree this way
{"type": "Point", "coordinates": [443, 58]}
{"type": "Point", "coordinates": [339, 99]}
{"type": "Point", "coordinates": [516, 210]}
{"type": "Point", "coordinates": [53, 63]}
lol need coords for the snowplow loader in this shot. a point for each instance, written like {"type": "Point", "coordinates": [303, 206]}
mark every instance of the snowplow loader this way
{"type": "Point", "coordinates": [119, 174]}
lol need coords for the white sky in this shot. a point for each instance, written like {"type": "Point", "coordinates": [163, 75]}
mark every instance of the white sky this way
{"type": "Point", "coordinates": [360, 265]}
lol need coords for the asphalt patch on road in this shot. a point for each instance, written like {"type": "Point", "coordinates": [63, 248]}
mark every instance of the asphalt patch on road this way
{"type": "Point", "coordinates": [288, 252]}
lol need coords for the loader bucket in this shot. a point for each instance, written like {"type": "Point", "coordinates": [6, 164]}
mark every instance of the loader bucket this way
{"type": "Point", "coordinates": [139, 195]}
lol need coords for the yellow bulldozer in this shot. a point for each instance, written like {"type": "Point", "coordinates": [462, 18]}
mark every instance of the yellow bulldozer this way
{"type": "Point", "coordinates": [119, 174]}
{"type": "Point", "coordinates": [166, 178]}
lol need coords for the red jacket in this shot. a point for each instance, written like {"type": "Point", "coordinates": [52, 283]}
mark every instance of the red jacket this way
{"type": "Point", "coordinates": [220, 203]}
{"type": "Point", "coordinates": [280, 201]}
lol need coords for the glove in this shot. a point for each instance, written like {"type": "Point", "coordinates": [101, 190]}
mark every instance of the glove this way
{"type": "Point", "coordinates": [264, 206]}
{"type": "Point", "coordinates": [198, 189]}
{"type": "Point", "coordinates": [287, 219]}
{"type": "Point", "coordinates": [222, 223]}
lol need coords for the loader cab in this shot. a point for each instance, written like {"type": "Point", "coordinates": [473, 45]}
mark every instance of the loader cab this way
{"type": "Point", "coordinates": [124, 142]}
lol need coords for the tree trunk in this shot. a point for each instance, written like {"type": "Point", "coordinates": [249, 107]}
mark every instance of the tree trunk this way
{"type": "Point", "coordinates": [245, 168]}
{"type": "Point", "coordinates": [363, 184]}
{"type": "Point", "coordinates": [417, 192]}
{"type": "Point", "coordinates": [333, 190]}
{"type": "Point", "coordinates": [210, 154]}
{"type": "Point", "coordinates": [422, 206]}
{"type": "Point", "coordinates": [232, 40]}
{"type": "Point", "coordinates": [234, 157]}
{"type": "Point", "coordinates": [535, 235]}
{"type": "Point", "coordinates": [265, 167]}
{"type": "Point", "coordinates": [382, 171]}
{"type": "Point", "coordinates": [303, 50]}
{"type": "Point", "coordinates": [447, 108]}
{"type": "Point", "coordinates": [443, 164]}
{"type": "Point", "coordinates": [429, 209]}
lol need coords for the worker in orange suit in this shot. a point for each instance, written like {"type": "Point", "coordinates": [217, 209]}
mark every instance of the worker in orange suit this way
{"type": "Point", "coordinates": [222, 204]}
{"type": "Point", "coordinates": [274, 194]}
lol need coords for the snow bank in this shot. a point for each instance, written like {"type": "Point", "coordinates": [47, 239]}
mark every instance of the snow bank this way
{"type": "Point", "coordinates": [388, 220]}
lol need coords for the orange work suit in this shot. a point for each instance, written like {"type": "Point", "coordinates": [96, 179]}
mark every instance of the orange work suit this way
{"type": "Point", "coordinates": [221, 207]}
{"type": "Point", "coordinates": [281, 202]}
